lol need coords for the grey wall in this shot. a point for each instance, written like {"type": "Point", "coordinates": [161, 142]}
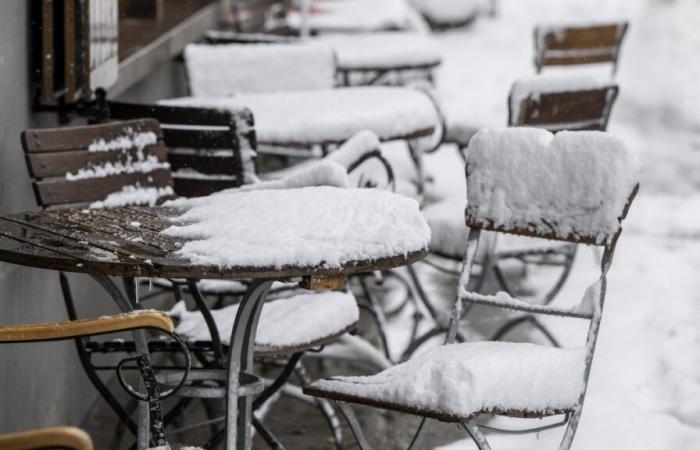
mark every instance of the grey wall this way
{"type": "Point", "coordinates": [41, 384]}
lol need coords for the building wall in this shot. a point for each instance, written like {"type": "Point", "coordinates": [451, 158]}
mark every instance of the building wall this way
{"type": "Point", "coordinates": [41, 384]}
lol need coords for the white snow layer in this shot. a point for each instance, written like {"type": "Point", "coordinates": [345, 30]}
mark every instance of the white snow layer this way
{"type": "Point", "coordinates": [221, 70]}
{"type": "Point", "coordinates": [354, 148]}
{"type": "Point", "coordinates": [386, 50]}
{"type": "Point", "coordinates": [571, 184]}
{"type": "Point", "coordinates": [548, 83]}
{"type": "Point", "coordinates": [329, 115]}
{"type": "Point", "coordinates": [140, 165]}
{"type": "Point", "coordinates": [291, 322]}
{"type": "Point", "coordinates": [359, 15]}
{"type": "Point", "coordinates": [309, 227]}
{"type": "Point", "coordinates": [462, 379]}
{"type": "Point", "coordinates": [134, 195]}
{"type": "Point", "coordinates": [317, 173]}
{"type": "Point", "coordinates": [128, 141]}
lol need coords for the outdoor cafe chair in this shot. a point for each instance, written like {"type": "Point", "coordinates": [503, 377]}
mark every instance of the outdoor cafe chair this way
{"type": "Point", "coordinates": [573, 187]}
{"type": "Point", "coordinates": [551, 102]}
{"type": "Point", "coordinates": [73, 438]}
{"type": "Point", "coordinates": [570, 45]}
{"type": "Point", "coordinates": [124, 163]}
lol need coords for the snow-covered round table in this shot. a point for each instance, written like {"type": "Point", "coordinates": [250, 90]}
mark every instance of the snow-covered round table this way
{"type": "Point", "coordinates": [316, 234]}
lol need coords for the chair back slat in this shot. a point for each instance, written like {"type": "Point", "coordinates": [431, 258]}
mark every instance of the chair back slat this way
{"type": "Point", "coordinates": [78, 165]}
{"type": "Point", "coordinates": [573, 45]}
{"type": "Point", "coordinates": [205, 146]}
{"type": "Point", "coordinates": [57, 192]}
{"type": "Point", "coordinates": [561, 103]}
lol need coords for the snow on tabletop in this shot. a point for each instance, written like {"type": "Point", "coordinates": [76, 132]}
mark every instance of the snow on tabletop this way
{"type": "Point", "coordinates": [308, 227]}
{"type": "Point", "coordinates": [552, 83]}
{"type": "Point", "coordinates": [571, 184]}
{"type": "Point", "coordinates": [330, 115]}
{"type": "Point", "coordinates": [462, 379]}
{"type": "Point", "coordinates": [294, 321]}
{"type": "Point", "coordinates": [127, 141]}
{"type": "Point", "coordinates": [221, 70]}
{"type": "Point", "coordinates": [134, 195]}
{"type": "Point", "coordinates": [383, 50]}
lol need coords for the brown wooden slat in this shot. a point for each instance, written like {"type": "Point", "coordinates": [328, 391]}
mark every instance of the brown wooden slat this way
{"type": "Point", "coordinates": [180, 115]}
{"type": "Point", "coordinates": [567, 107]}
{"type": "Point", "coordinates": [189, 138]}
{"type": "Point", "coordinates": [80, 138]}
{"type": "Point", "coordinates": [60, 192]}
{"type": "Point", "coordinates": [57, 164]}
{"type": "Point", "coordinates": [600, 36]}
{"type": "Point", "coordinates": [203, 163]}
{"type": "Point", "coordinates": [576, 60]}
{"type": "Point", "coordinates": [196, 187]}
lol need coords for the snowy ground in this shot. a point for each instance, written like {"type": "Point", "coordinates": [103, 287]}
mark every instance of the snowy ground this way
{"type": "Point", "coordinates": [645, 387]}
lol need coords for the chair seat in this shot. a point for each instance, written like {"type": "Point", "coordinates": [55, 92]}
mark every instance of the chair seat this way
{"type": "Point", "coordinates": [330, 115]}
{"type": "Point", "coordinates": [286, 326]}
{"type": "Point", "coordinates": [455, 382]}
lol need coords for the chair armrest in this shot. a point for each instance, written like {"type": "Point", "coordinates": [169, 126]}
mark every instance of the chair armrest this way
{"type": "Point", "coordinates": [86, 327]}
{"type": "Point", "coordinates": [58, 437]}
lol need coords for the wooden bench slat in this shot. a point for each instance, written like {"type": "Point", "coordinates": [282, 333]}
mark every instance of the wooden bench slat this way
{"type": "Point", "coordinates": [56, 164]}
{"type": "Point", "coordinates": [192, 138]}
{"type": "Point", "coordinates": [195, 187]}
{"type": "Point", "coordinates": [61, 192]}
{"type": "Point", "coordinates": [80, 138]}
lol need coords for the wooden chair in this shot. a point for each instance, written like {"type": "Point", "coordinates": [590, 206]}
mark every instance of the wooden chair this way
{"type": "Point", "coordinates": [208, 150]}
{"type": "Point", "coordinates": [577, 45]}
{"type": "Point", "coordinates": [73, 438]}
{"type": "Point", "coordinates": [498, 378]}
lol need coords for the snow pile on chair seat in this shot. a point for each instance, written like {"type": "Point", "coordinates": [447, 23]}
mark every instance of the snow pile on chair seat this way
{"type": "Point", "coordinates": [463, 379]}
{"type": "Point", "coordinates": [448, 11]}
{"type": "Point", "coordinates": [536, 85]}
{"type": "Point", "coordinates": [387, 50]}
{"type": "Point", "coordinates": [291, 322]}
{"type": "Point", "coordinates": [220, 70]}
{"type": "Point", "coordinates": [572, 185]}
{"type": "Point", "coordinates": [354, 148]}
{"type": "Point", "coordinates": [319, 173]}
{"type": "Point", "coordinates": [332, 115]}
{"type": "Point", "coordinates": [309, 227]}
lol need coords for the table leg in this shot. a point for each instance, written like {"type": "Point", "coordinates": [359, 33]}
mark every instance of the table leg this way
{"type": "Point", "coordinates": [239, 411]}
{"type": "Point", "coordinates": [142, 438]}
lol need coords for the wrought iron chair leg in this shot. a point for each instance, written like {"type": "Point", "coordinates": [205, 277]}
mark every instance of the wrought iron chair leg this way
{"type": "Point", "coordinates": [421, 293]}
{"type": "Point", "coordinates": [472, 429]}
{"type": "Point", "coordinates": [267, 435]}
{"type": "Point", "coordinates": [378, 317]}
{"type": "Point", "coordinates": [350, 417]}
{"type": "Point", "coordinates": [279, 382]}
{"type": "Point", "coordinates": [87, 365]}
{"type": "Point", "coordinates": [418, 437]}
{"type": "Point", "coordinates": [209, 320]}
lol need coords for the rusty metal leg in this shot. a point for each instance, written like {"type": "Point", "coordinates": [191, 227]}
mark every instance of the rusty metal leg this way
{"type": "Point", "coordinates": [418, 437]}
{"type": "Point", "coordinates": [142, 437]}
{"type": "Point", "coordinates": [349, 415]}
{"type": "Point", "coordinates": [239, 411]}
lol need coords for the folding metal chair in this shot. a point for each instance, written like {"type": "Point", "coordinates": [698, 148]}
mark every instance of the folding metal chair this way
{"type": "Point", "coordinates": [71, 438]}
{"type": "Point", "coordinates": [459, 382]}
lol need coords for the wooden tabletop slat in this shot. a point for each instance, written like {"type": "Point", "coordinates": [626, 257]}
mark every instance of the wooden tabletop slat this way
{"type": "Point", "coordinates": [107, 242]}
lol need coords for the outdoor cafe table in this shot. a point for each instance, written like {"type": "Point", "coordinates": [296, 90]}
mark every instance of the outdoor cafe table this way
{"type": "Point", "coordinates": [127, 242]}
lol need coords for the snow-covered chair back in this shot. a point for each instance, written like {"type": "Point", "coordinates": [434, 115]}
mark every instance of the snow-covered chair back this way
{"type": "Point", "coordinates": [573, 45]}
{"type": "Point", "coordinates": [221, 70]}
{"type": "Point", "coordinates": [572, 186]}
{"type": "Point", "coordinates": [117, 164]}
{"type": "Point", "coordinates": [362, 158]}
{"type": "Point", "coordinates": [561, 102]}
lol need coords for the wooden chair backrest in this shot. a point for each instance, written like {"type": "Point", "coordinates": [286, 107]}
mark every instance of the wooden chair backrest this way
{"type": "Point", "coordinates": [208, 150]}
{"type": "Point", "coordinates": [85, 164]}
{"type": "Point", "coordinates": [567, 110]}
{"type": "Point", "coordinates": [574, 45]}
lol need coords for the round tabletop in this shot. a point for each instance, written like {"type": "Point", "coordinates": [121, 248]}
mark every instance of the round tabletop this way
{"type": "Point", "coordinates": [127, 242]}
